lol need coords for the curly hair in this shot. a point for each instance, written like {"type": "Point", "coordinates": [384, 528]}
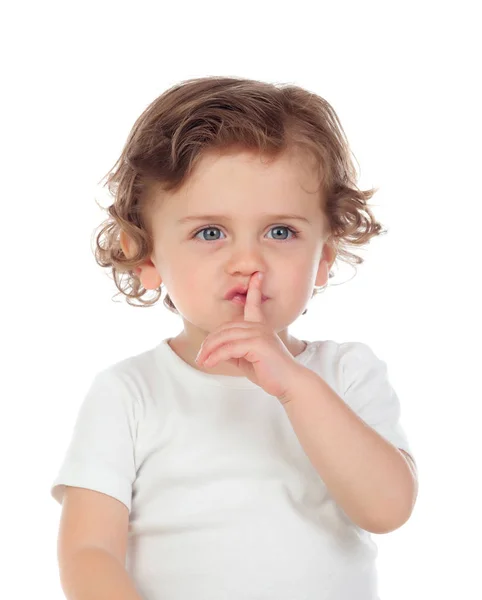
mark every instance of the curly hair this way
{"type": "Point", "coordinates": [224, 113]}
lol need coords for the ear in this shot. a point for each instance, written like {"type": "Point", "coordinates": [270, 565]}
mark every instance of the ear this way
{"type": "Point", "coordinates": [146, 271]}
{"type": "Point", "coordinates": [326, 261]}
{"type": "Point", "coordinates": [125, 243]}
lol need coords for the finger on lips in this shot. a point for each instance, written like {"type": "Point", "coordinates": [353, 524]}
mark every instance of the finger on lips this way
{"type": "Point", "coordinates": [253, 302]}
{"type": "Point", "coordinates": [252, 308]}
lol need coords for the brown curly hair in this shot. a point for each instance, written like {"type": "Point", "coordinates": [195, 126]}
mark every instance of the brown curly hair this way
{"type": "Point", "coordinates": [223, 113]}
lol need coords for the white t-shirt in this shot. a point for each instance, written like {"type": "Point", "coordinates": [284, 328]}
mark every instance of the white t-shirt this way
{"type": "Point", "coordinates": [223, 502]}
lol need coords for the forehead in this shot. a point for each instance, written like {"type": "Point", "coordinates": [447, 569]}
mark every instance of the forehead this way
{"type": "Point", "coordinates": [291, 171]}
{"type": "Point", "coordinates": [244, 182]}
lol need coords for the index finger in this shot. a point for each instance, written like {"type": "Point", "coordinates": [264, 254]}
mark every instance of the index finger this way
{"type": "Point", "coordinates": [252, 307]}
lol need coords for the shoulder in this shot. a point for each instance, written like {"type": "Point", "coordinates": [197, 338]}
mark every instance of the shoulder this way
{"type": "Point", "coordinates": [132, 373]}
{"type": "Point", "coordinates": [345, 355]}
{"type": "Point", "coordinates": [356, 363]}
{"type": "Point", "coordinates": [116, 391]}
{"type": "Point", "coordinates": [357, 355]}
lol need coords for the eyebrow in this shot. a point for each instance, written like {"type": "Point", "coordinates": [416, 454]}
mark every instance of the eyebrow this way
{"type": "Point", "coordinates": [226, 218]}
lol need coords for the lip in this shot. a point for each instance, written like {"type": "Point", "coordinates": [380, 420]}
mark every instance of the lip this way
{"type": "Point", "coordinates": [241, 290]}
{"type": "Point", "coordinates": [238, 299]}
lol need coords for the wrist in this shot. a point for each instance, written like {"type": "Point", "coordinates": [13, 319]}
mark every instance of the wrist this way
{"type": "Point", "coordinates": [300, 377]}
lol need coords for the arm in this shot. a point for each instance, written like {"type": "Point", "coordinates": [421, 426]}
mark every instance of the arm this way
{"type": "Point", "coordinates": [94, 574]}
{"type": "Point", "coordinates": [368, 477]}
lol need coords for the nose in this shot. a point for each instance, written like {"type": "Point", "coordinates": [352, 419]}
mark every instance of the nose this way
{"type": "Point", "coordinates": [246, 259]}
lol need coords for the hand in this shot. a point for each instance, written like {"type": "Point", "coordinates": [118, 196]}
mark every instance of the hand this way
{"type": "Point", "coordinates": [253, 347]}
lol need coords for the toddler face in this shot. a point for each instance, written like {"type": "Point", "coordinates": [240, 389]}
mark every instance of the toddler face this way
{"type": "Point", "coordinates": [225, 224]}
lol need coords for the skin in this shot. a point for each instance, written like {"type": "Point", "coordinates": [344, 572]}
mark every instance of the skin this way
{"type": "Point", "coordinates": [199, 267]}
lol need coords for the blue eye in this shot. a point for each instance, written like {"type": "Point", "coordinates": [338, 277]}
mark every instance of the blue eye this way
{"type": "Point", "coordinates": [277, 227]}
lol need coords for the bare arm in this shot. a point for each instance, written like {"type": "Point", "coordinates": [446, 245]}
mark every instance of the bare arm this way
{"type": "Point", "coordinates": [94, 574]}
{"type": "Point", "coordinates": [368, 477]}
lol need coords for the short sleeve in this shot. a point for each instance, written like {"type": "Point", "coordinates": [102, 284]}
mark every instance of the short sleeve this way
{"type": "Point", "coordinates": [369, 393]}
{"type": "Point", "coordinates": [101, 454]}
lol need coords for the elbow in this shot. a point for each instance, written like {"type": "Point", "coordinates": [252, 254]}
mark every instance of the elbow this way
{"type": "Point", "coordinates": [395, 520]}
{"type": "Point", "coordinates": [381, 527]}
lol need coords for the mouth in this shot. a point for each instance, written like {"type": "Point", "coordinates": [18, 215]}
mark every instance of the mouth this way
{"type": "Point", "coordinates": [238, 293]}
{"type": "Point", "coordinates": [241, 299]}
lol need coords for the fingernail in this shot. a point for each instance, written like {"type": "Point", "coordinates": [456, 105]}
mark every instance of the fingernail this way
{"type": "Point", "coordinates": [260, 276]}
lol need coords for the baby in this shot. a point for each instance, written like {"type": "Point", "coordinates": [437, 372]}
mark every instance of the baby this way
{"type": "Point", "coordinates": [234, 461]}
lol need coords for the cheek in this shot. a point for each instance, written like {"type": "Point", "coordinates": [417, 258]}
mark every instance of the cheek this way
{"type": "Point", "coordinates": [192, 285]}
{"type": "Point", "coordinates": [300, 282]}
{"type": "Point", "coordinates": [301, 272]}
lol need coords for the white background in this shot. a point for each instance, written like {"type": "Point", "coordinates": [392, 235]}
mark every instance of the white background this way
{"type": "Point", "coordinates": [404, 79]}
